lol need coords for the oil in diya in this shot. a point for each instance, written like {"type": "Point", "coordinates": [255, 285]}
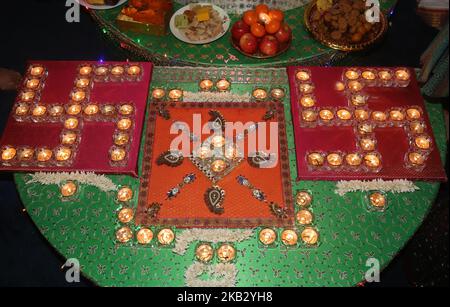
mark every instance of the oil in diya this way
{"type": "Point", "coordinates": [121, 138]}
{"type": "Point", "coordinates": [43, 154]}
{"type": "Point", "coordinates": [74, 109]}
{"type": "Point", "coordinates": [377, 200]}
{"type": "Point", "coordinates": [372, 161]}
{"type": "Point", "coordinates": [78, 96]}
{"type": "Point", "coordinates": [303, 199]}
{"type": "Point", "coordinates": [85, 70]}
{"type": "Point", "coordinates": [25, 154]}
{"type": "Point", "coordinates": [309, 236]}
{"type": "Point", "coordinates": [277, 93]}
{"type": "Point", "coordinates": [361, 114]}
{"type": "Point", "coordinates": [355, 86]}
{"type": "Point", "coordinates": [326, 115]}
{"type": "Point", "coordinates": [126, 109]}
{"type": "Point", "coordinates": [379, 116]}
{"type": "Point", "coordinates": [8, 153]}
{"type": "Point", "coordinates": [206, 85]}
{"type": "Point", "coordinates": [307, 101]}
{"type": "Point", "coordinates": [144, 236]}
{"type": "Point", "coordinates": [101, 71]}
{"type": "Point", "coordinates": [303, 75]}
{"type": "Point", "coordinates": [27, 96]}
{"type": "Point", "coordinates": [63, 153]}
{"type": "Point", "coordinates": [417, 127]}
{"type": "Point", "coordinates": [68, 189]}
{"type": "Point", "coordinates": [22, 109]}
{"type": "Point", "coordinates": [71, 123]}
{"type": "Point", "coordinates": [166, 236]}
{"type": "Point", "coordinates": [56, 111]}
{"type": "Point", "coordinates": [306, 88]}
{"type": "Point", "coordinates": [82, 83]}
{"type": "Point", "coordinates": [124, 194]}
{"type": "Point", "coordinates": [267, 236]}
{"type": "Point", "coordinates": [223, 85]}
{"type": "Point", "coordinates": [226, 253]}
{"type": "Point", "coordinates": [422, 142]}
{"type": "Point", "coordinates": [91, 109]}
{"type": "Point", "coordinates": [118, 154]}
{"type": "Point", "coordinates": [402, 77]}
{"type": "Point", "coordinates": [344, 114]}
{"type": "Point", "coordinates": [204, 252]}
{"type": "Point", "coordinates": [289, 237]}
{"type": "Point", "coordinates": [413, 113]}
{"type": "Point", "coordinates": [117, 71]}
{"type": "Point", "coordinates": [124, 234]}
{"type": "Point", "coordinates": [304, 217]}
{"type": "Point", "coordinates": [353, 159]}
{"type": "Point", "coordinates": [367, 144]}
{"type": "Point", "coordinates": [218, 166]}
{"type": "Point", "coordinates": [309, 115]}
{"type": "Point", "coordinates": [416, 158]}
{"type": "Point", "coordinates": [369, 75]}
{"type": "Point", "coordinates": [385, 75]}
{"type": "Point", "coordinates": [259, 94]}
{"type": "Point", "coordinates": [315, 159]}
{"type": "Point", "coordinates": [396, 115]}
{"type": "Point", "coordinates": [37, 71]}
{"type": "Point", "coordinates": [351, 74]}
{"type": "Point", "coordinates": [69, 137]}
{"type": "Point", "coordinates": [125, 215]}
{"type": "Point", "coordinates": [32, 84]}
{"type": "Point", "coordinates": [39, 111]}
{"type": "Point", "coordinates": [334, 159]}
{"type": "Point", "coordinates": [175, 94]}
{"type": "Point", "coordinates": [124, 124]}
{"type": "Point", "coordinates": [158, 93]}
{"type": "Point", "coordinates": [134, 70]}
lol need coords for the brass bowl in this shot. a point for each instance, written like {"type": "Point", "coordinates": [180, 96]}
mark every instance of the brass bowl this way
{"type": "Point", "coordinates": [258, 54]}
{"type": "Point", "coordinates": [339, 46]}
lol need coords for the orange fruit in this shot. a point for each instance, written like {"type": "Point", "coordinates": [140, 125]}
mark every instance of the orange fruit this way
{"type": "Point", "coordinates": [250, 17]}
{"type": "Point", "coordinates": [257, 29]}
{"type": "Point", "coordinates": [261, 8]}
{"type": "Point", "coordinates": [276, 15]}
{"type": "Point", "coordinates": [273, 26]}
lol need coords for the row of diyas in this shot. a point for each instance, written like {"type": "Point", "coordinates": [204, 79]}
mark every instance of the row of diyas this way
{"type": "Point", "coordinates": [114, 72]}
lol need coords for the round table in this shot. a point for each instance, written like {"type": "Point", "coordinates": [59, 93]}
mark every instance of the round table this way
{"type": "Point", "coordinates": [168, 50]}
{"type": "Point", "coordinates": [84, 228]}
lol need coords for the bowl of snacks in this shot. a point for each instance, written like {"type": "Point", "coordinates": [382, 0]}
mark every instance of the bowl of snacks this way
{"type": "Point", "coordinates": [343, 25]}
{"type": "Point", "coordinates": [199, 23]}
{"type": "Point", "coordinates": [261, 33]}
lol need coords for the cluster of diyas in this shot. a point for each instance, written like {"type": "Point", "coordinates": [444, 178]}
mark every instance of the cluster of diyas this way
{"type": "Point", "coordinates": [159, 94]}
{"type": "Point", "coordinates": [275, 94]}
{"type": "Point", "coordinates": [126, 231]}
{"type": "Point", "coordinates": [204, 252]}
{"type": "Point", "coordinates": [309, 235]}
{"type": "Point", "coordinates": [114, 73]}
{"type": "Point", "coordinates": [356, 78]}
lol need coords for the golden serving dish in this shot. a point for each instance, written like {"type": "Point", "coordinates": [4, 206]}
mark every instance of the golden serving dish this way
{"type": "Point", "coordinates": [343, 47]}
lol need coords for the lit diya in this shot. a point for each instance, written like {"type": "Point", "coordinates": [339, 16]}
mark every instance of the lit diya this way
{"type": "Point", "coordinates": [396, 115]}
{"type": "Point", "coordinates": [377, 200]}
{"type": "Point", "coordinates": [416, 158]}
{"type": "Point", "coordinates": [166, 236]}
{"type": "Point", "coordinates": [117, 71]}
{"type": "Point", "coordinates": [277, 93]}
{"type": "Point", "coordinates": [71, 123]}
{"type": "Point", "coordinates": [158, 93]}
{"type": "Point", "coordinates": [379, 116]}
{"type": "Point", "coordinates": [385, 75]}
{"type": "Point", "coordinates": [124, 194]}
{"type": "Point", "coordinates": [108, 110]}
{"type": "Point", "coordinates": [56, 110]}
{"type": "Point", "coordinates": [303, 75]}
{"type": "Point", "coordinates": [121, 138]}
{"type": "Point", "coordinates": [326, 115]}
{"type": "Point", "coordinates": [365, 128]}
{"type": "Point", "coordinates": [101, 71]}
{"type": "Point", "coordinates": [361, 114]}
{"type": "Point", "coordinates": [310, 236]}
{"type": "Point", "coordinates": [334, 159]}
{"type": "Point", "coordinates": [37, 71]}
{"type": "Point", "coordinates": [63, 153]}
{"type": "Point", "coordinates": [344, 114]}
{"type": "Point", "coordinates": [22, 109]}
{"type": "Point", "coordinates": [124, 124]}
{"type": "Point", "coordinates": [353, 159]}
{"type": "Point", "coordinates": [126, 109]}
{"type": "Point", "coordinates": [44, 154]}
{"type": "Point", "coordinates": [223, 85]}
{"type": "Point", "coordinates": [204, 252]}
{"type": "Point", "coordinates": [68, 137]}
{"type": "Point", "coordinates": [259, 94]}
{"type": "Point", "coordinates": [32, 84]}
{"type": "Point", "coordinates": [267, 236]}
{"type": "Point", "coordinates": [206, 85]}
{"type": "Point", "coordinates": [307, 101]}
{"type": "Point", "coordinates": [125, 215]}
{"type": "Point", "coordinates": [355, 86]}
{"type": "Point", "coordinates": [8, 153]}
{"type": "Point", "coordinates": [304, 217]}
{"type": "Point", "coordinates": [422, 142]}
{"type": "Point", "coordinates": [25, 154]}
{"type": "Point", "coordinates": [27, 96]}
{"type": "Point", "coordinates": [226, 253]}
{"type": "Point", "coordinates": [39, 111]}
{"type": "Point", "coordinates": [413, 113]}
{"type": "Point", "coordinates": [144, 236]}
{"type": "Point", "coordinates": [289, 237]}
{"type": "Point", "coordinates": [91, 109]}
{"type": "Point", "coordinates": [82, 83]}
{"type": "Point", "coordinates": [372, 161]}
{"type": "Point", "coordinates": [315, 159]}
{"type": "Point", "coordinates": [69, 188]}
{"type": "Point", "coordinates": [85, 70]}
{"type": "Point", "coordinates": [367, 144]}
{"type": "Point", "coordinates": [78, 96]}
{"type": "Point", "coordinates": [74, 109]}
{"type": "Point", "coordinates": [339, 86]}
{"type": "Point", "coordinates": [218, 166]}
{"type": "Point", "coordinates": [309, 115]}
{"type": "Point", "coordinates": [175, 94]}
{"type": "Point", "coordinates": [124, 234]}
{"type": "Point", "coordinates": [306, 88]}
{"type": "Point", "coordinates": [117, 154]}
{"type": "Point", "coordinates": [303, 199]}
{"type": "Point", "coordinates": [134, 70]}
{"type": "Point", "coordinates": [351, 74]}
{"type": "Point", "coordinates": [369, 75]}
{"type": "Point", "coordinates": [402, 77]}
{"type": "Point", "coordinates": [358, 100]}
{"type": "Point", "coordinates": [417, 127]}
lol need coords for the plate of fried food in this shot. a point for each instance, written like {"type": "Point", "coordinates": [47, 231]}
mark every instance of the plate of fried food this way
{"type": "Point", "coordinates": [343, 24]}
{"type": "Point", "coordinates": [101, 4]}
{"type": "Point", "coordinates": [199, 23]}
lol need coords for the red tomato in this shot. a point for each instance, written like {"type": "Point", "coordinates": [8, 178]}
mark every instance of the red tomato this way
{"type": "Point", "coordinates": [250, 17]}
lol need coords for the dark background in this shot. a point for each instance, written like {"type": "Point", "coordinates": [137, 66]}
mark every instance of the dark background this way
{"type": "Point", "coordinates": [38, 30]}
